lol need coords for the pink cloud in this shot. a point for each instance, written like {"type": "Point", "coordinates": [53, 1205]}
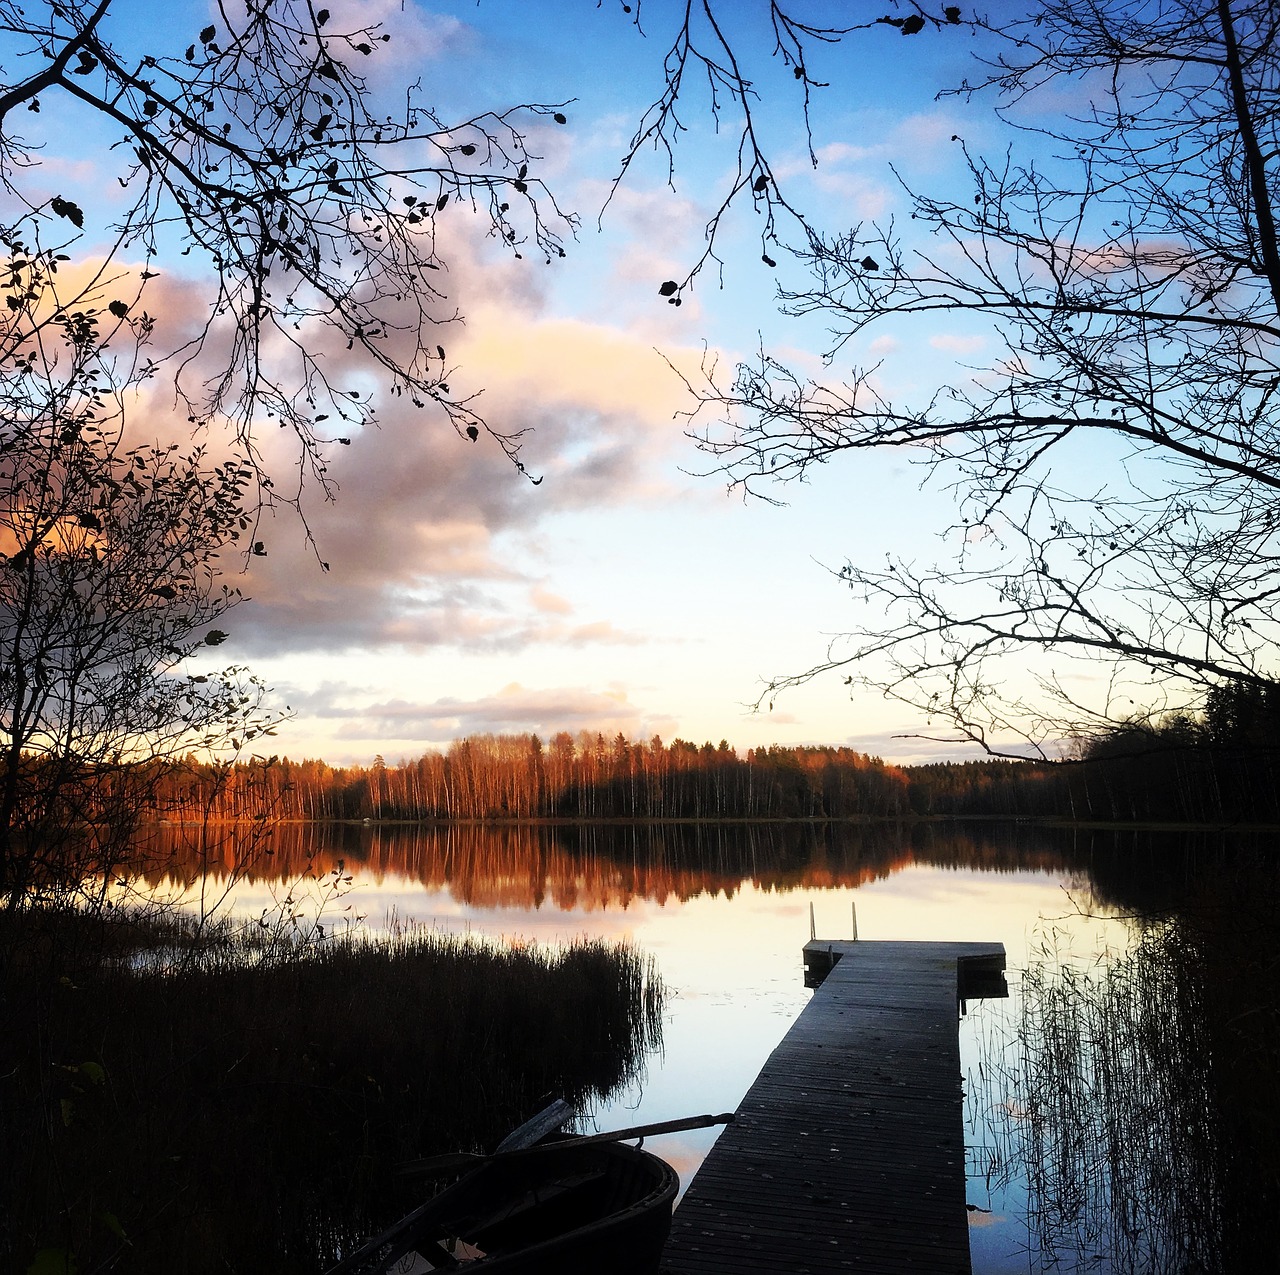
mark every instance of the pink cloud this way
{"type": "Point", "coordinates": [514, 709]}
{"type": "Point", "coordinates": [908, 747]}
{"type": "Point", "coordinates": [429, 531]}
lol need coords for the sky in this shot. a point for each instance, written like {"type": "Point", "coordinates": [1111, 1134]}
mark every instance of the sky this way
{"type": "Point", "coordinates": [629, 590]}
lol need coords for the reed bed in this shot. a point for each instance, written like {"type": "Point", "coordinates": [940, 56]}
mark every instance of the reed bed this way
{"type": "Point", "coordinates": [198, 1101]}
{"type": "Point", "coordinates": [1134, 1108]}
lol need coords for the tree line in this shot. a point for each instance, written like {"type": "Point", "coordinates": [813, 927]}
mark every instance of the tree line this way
{"type": "Point", "coordinates": [523, 777]}
{"type": "Point", "coordinates": [1221, 764]}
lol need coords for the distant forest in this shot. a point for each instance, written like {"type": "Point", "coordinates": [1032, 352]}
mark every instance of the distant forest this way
{"type": "Point", "coordinates": [1219, 766]}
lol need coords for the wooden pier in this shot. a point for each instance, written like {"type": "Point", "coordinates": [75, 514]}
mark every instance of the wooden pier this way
{"type": "Point", "coordinates": [847, 1153]}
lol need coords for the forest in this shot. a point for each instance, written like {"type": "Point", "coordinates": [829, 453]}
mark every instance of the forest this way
{"type": "Point", "coordinates": [1216, 766]}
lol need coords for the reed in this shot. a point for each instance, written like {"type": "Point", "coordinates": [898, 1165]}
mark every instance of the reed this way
{"type": "Point", "coordinates": [1135, 1105]}
{"type": "Point", "coordinates": [200, 1100]}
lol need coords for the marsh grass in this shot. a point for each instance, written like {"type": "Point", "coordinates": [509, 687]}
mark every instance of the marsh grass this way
{"type": "Point", "coordinates": [1137, 1100]}
{"type": "Point", "coordinates": [193, 1101]}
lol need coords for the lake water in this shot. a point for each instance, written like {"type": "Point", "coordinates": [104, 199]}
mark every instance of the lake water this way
{"type": "Point", "coordinates": [725, 911]}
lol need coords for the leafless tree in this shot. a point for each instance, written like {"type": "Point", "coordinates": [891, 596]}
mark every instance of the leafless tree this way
{"type": "Point", "coordinates": [1116, 462]}
{"type": "Point", "coordinates": [713, 57]}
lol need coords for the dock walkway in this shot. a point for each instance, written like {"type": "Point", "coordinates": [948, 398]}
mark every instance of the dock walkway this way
{"type": "Point", "coordinates": [848, 1151]}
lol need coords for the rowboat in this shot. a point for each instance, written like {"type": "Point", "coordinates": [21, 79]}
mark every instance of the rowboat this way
{"type": "Point", "coordinates": [573, 1204]}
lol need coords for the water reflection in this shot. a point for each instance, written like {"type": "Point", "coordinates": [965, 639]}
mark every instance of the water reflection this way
{"type": "Point", "coordinates": [724, 909]}
{"type": "Point", "coordinates": [602, 867]}
{"type": "Point", "coordinates": [1129, 1118]}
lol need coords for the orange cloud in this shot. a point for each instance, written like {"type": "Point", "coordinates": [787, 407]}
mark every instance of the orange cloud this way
{"type": "Point", "coordinates": [545, 600]}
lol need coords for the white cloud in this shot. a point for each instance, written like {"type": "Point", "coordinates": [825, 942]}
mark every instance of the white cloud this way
{"type": "Point", "coordinates": [846, 153]}
{"type": "Point", "coordinates": [417, 34]}
{"type": "Point", "coordinates": [863, 198]}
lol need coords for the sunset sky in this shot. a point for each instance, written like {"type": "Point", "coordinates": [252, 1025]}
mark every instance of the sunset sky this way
{"type": "Point", "coordinates": [629, 591]}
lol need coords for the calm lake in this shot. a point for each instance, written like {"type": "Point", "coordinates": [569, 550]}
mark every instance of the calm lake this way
{"type": "Point", "coordinates": [724, 911]}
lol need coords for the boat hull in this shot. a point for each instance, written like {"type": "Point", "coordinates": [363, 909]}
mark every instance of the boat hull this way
{"type": "Point", "coordinates": [549, 1210]}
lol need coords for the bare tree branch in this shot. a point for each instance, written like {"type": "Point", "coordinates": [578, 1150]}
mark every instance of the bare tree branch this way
{"type": "Point", "coordinates": [1129, 278]}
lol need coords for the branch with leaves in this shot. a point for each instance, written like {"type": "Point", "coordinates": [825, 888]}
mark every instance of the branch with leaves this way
{"type": "Point", "coordinates": [267, 151]}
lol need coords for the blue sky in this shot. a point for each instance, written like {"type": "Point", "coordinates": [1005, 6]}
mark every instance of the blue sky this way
{"type": "Point", "coordinates": [629, 591]}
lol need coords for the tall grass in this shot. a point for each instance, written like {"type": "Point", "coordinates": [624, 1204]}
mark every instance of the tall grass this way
{"type": "Point", "coordinates": [1138, 1101]}
{"type": "Point", "coordinates": [1121, 1147]}
{"type": "Point", "coordinates": [224, 1105]}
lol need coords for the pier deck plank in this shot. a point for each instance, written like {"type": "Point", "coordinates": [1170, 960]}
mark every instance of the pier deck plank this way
{"type": "Point", "coordinates": [848, 1151]}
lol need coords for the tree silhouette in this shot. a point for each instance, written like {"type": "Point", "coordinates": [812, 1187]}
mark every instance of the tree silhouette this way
{"type": "Point", "coordinates": [109, 583]}
{"type": "Point", "coordinates": [1116, 459]}
{"type": "Point", "coordinates": [274, 155]}
{"type": "Point", "coordinates": [270, 152]}
{"type": "Point", "coordinates": [715, 49]}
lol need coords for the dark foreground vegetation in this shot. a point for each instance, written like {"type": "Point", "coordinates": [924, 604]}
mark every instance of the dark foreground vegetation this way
{"type": "Point", "coordinates": [192, 1102]}
{"type": "Point", "coordinates": [1222, 764]}
{"type": "Point", "coordinates": [1139, 1099]}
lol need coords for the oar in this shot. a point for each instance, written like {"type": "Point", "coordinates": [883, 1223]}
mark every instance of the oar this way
{"type": "Point", "coordinates": [454, 1161]}
{"type": "Point", "coordinates": [353, 1261]}
{"type": "Point", "coordinates": [548, 1120]}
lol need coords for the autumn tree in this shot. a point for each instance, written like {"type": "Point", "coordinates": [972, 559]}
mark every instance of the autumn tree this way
{"type": "Point", "coordinates": [1116, 459]}
{"type": "Point", "coordinates": [110, 583]}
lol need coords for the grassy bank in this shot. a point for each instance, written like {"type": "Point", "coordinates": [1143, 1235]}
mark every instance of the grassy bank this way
{"type": "Point", "coordinates": [226, 1106]}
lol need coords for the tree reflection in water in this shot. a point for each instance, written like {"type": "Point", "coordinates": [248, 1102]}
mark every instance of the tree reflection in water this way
{"type": "Point", "coordinates": [593, 866]}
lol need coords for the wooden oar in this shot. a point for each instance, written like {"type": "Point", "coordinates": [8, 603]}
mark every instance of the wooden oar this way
{"type": "Point", "coordinates": [548, 1120]}
{"type": "Point", "coordinates": [353, 1261]}
{"type": "Point", "coordinates": [456, 1161]}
